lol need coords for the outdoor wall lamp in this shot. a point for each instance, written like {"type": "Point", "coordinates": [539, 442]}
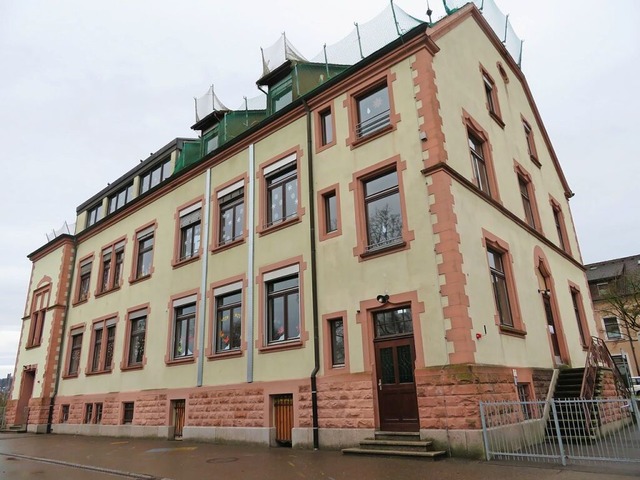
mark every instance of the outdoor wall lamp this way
{"type": "Point", "coordinates": [382, 299]}
{"type": "Point", "coordinates": [545, 292]}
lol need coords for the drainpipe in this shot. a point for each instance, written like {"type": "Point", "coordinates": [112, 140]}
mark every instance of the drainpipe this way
{"type": "Point", "coordinates": [204, 244]}
{"type": "Point", "coordinates": [314, 283]}
{"type": "Point", "coordinates": [250, 262]}
{"type": "Point", "coordinates": [64, 325]}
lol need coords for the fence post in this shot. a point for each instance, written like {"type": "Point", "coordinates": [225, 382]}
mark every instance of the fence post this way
{"type": "Point", "coordinates": [559, 435]}
{"type": "Point", "coordinates": [634, 404]}
{"type": "Point", "coordinates": [485, 434]}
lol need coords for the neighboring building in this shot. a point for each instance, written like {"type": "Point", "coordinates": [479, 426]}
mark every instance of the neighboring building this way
{"type": "Point", "coordinates": [5, 384]}
{"type": "Point", "coordinates": [383, 246]}
{"type": "Point", "coordinates": [621, 340]}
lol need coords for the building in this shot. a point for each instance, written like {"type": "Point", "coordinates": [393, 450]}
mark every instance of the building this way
{"type": "Point", "coordinates": [619, 337]}
{"type": "Point", "coordinates": [5, 384]}
{"type": "Point", "coordinates": [385, 243]}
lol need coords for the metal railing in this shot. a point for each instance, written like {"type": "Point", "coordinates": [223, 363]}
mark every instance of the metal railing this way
{"type": "Point", "coordinates": [599, 356]}
{"type": "Point", "coordinates": [373, 123]}
{"type": "Point", "coordinates": [557, 432]}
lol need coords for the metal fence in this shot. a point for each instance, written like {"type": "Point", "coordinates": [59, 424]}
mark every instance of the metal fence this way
{"type": "Point", "coordinates": [562, 431]}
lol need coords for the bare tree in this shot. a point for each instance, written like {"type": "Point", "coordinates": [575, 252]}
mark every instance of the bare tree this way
{"type": "Point", "coordinates": [622, 300]}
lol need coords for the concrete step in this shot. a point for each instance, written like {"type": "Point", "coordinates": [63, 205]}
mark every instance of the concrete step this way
{"type": "Point", "coordinates": [407, 446]}
{"type": "Point", "coordinates": [433, 455]}
{"type": "Point", "coordinates": [397, 436]}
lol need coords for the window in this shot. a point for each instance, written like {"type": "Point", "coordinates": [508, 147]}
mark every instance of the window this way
{"type": "Point", "coordinates": [119, 199]}
{"type": "Point", "coordinates": [491, 95]}
{"type": "Point", "coordinates": [602, 288]}
{"type": "Point", "coordinates": [478, 164]}
{"type": "Point", "coordinates": [374, 111]}
{"type": "Point", "coordinates": [326, 127]}
{"type": "Point", "coordinates": [111, 267]}
{"type": "Point", "coordinates": [336, 328]}
{"type": "Point", "coordinates": [524, 396]}
{"type": "Point", "coordinates": [577, 304]}
{"type": "Point", "coordinates": [88, 412]}
{"type": "Point", "coordinates": [190, 231]}
{"type": "Point", "coordinates": [94, 214]}
{"type": "Point", "coordinates": [76, 350]}
{"type": "Point", "coordinates": [137, 333]}
{"type": "Point", "coordinates": [98, 416]}
{"type": "Point", "coordinates": [39, 307]}
{"type": "Point", "coordinates": [231, 206]}
{"type": "Point", "coordinates": [282, 193]}
{"type": "Point", "coordinates": [525, 194]}
{"type": "Point", "coordinates": [157, 174]}
{"type": "Point", "coordinates": [283, 309]}
{"type": "Point", "coordinates": [64, 414]}
{"type": "Point", "coordinates": [104, 335]}
{"type": "Point", "coordinates": [392, 322]}
{"type": "Point", "coordinates": [531, 146]}
{"type": "Point", "coordinates": [499, 284]}
{"type": "Point", "coordinates": [144, 257]}
{"type": "Point", "coordinates": [330, 212]}
{"type": "Point", "coordinates": [127, 413]}
{"type": "Point", "coordinates": [228, 321]}
{"type": "Point", "coordinates": [561, 228]}
{"type": "Point", "coordinates": [184, 325]}
{"type": "Point", "coordinates": [382, 211]}
{"type": "Point", "coordinates": [211, 141]}
{"type": "Point", "coordinates": [280, 95]}
{"type": "Point", "coordinates": [84, 280]}
{"type": "Point", "coordinates": [611, 328]}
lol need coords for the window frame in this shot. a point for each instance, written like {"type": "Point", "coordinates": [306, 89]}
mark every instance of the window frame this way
{"type": "Point", "coordinates": [278, 91]}
{"type": "Point", "coordinates": [357, 186]}
{"type": "Point", "coordinates": [87, 417]}
{"type": "Point", "coordinates": [165, 170]}
{"type": "Point", "coordinates": [271, 274]}
{"type": "Point", "coordinates": [114, 255]}
{"type": "Point", "coordinates": [322, 114]}
{"type": "Point", "coordinates": [177, 304]}
{"type": "Point", "coordinates": [188, 218]}
{"type": "Point", "coordinates": [361, 91]}
{"type": "Point", "coordinates": [94, 215]}
{"type": "Point", "coordinates": [125, 194]}
{"type": "Point", "coordinates": [135, 314]}
{"type": "Point", "coordinates": [83, 279]}
{"type": "Point", "coordinates": [141, 234]}
{"type": "Point", "coordinates": [532, 151]}
{"type": "Point", "coordinates": [475, 130]}
{"type": "Point", "coordinates": [499, 246]}
{"type": "Point", "coordinates": [330, 367]}
{"type": "Point", "coordinates": [64, 413]}
{"type": "Point", "coordinates": [222, 197]}
{"type": "Point", "coordinates": [618, 337]}
{"type": "Point", "coordinates": [127, 407]}
{"type": "Point", "coordinates": [75, 331]}
{"type": "Point", "coordinates": [275, 168]}
{"type": "Point", "coordinates": [523, 177]}
{"type": "Point", "coordinates": [579, 311]}
{"type": "Point", "coordinates": [219, 289]}
{"type": "Point", "coordinates": [103, 325]}
{"type": "Point", "coordinates": [219, 309]}
{"type": "Point", "coordinates": [323, 220]}
{"type": "Point", "coordinates": [491, 96]}
{"type": "Point", "coordinates": [40, 299]}
{"type": "Point", "coordinates": [560, 225]}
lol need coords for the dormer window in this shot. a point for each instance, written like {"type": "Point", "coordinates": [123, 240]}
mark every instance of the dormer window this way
{"type": "Point", "coordinates": [153, 177]}
{"type": "Point", "coordinates": [94, 214]}
{"type": "Point", "coordinates": [281, 94]}
{"type": "Point", "coordinates": [121, 198]}
{"type": "Point", "coordinates": [211, 141]}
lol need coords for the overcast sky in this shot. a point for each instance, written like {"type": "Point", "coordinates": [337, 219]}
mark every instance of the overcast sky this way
{"type": "Point", "coordinates": [89, 88]}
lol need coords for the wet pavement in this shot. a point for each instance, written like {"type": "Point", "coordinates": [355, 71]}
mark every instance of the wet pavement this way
{"type": "Point", "coordinates": [54, 457]}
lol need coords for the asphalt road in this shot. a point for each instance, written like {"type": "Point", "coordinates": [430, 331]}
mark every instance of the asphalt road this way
{"type": "Point", "coordinates": [56, 457]}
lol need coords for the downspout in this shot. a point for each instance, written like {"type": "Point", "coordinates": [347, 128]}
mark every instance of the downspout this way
{"type": "Point", "coordinates": [64, 326]}
{"type": "Point", "coordinates": [204, 244]}
{"type": "Point", "coordinates": [314, 283]}
{"type": "Point", "coordinates": [250, 262]}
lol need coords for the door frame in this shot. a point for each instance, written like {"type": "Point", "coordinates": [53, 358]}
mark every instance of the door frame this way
{"type": "Point", "coordinates": [23, 399]}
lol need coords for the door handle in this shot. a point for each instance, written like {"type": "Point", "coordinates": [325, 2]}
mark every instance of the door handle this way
{"type": "Point", "coordinates": [379, 384]}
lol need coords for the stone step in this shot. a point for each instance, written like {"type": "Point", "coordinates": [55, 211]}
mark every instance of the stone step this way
{"type": "Point", "coordinates": [404, 445]}
{"type": "Point", "coordinates": [433, 455]}
{"type": "Point", "coordinates": [397, 436]}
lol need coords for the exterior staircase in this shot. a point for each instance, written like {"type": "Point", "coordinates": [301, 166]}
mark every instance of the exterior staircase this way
{"type": "Point", "coordinates": [577, 422]}
{"type": "Point", "coordinates": [397, 444]}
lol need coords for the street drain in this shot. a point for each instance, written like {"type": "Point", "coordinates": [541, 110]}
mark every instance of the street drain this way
{"type": "Point", "coordinates": [223, 460]}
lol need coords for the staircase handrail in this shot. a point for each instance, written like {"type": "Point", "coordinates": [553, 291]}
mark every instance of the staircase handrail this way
{"type": "Point", "coordinates": [599, 356]}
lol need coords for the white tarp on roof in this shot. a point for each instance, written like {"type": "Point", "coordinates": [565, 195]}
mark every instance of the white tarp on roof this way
{"type": "Point", "coordinates": [279, 53]}
{"type": "Point", "coordinates": [374, 34]}
{"type": "Point", "coordinates": [207, 104]}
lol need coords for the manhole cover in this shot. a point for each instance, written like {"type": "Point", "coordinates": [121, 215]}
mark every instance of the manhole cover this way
{"type": "Point", "coordinates": [223, 460]}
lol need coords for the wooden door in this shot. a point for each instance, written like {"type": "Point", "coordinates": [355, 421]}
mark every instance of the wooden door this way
{"type": "Point", "coordinates": [26, 391]}
{"type": "Point", "coordinates": [397, 399]}
{"type": "Point", "coordinates": [178, 418]}
{"type": "Point", "coordinates": [283, 418]}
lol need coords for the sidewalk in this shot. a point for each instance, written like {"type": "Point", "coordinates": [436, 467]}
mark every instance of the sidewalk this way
{"type": "Point", "coordinates": [22, 455]}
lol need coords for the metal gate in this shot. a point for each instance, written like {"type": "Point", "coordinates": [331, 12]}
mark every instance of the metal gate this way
{"type": "Point", "coordinates": [562, 431]}
{"type": "Point", "coordinates": [283, 418]}
{"type": "Point", "coordinates": [178, 418]}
